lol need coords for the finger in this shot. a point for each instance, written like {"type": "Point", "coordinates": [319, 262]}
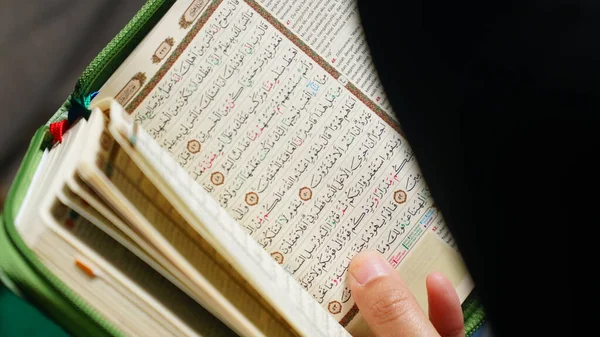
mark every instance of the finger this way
{"type": "Point", "coordinates": [445, 312]}
{"type": "Point", "coordinates": [384, 300]}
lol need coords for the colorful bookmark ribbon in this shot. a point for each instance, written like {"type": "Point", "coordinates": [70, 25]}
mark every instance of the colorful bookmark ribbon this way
{"type": "Point", "coordinates": [78, 109]}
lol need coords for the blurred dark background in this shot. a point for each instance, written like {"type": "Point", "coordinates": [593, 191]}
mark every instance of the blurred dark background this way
{"type": "Point", "coordinates": [44, 46]}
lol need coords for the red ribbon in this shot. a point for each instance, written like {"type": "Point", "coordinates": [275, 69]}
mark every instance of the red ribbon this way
{"type": "Point", "coordinates": [58, 129]}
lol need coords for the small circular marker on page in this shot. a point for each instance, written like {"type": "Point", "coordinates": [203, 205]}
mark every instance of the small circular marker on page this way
{"type": "Point", "coordinates": [278, 257]}
{"type": "Point", "coordinates": [305, 193]}
{"type": "Point", "coordinates": [217, 178]}
{"type": "Point", "coordinates": [251, 198]}
{"type": "Point", "coordinates": [334, 307]}
{"type": "Point", "coordinates": [400, 196]}
{"type": "Point", "coordinates": [194, 146]}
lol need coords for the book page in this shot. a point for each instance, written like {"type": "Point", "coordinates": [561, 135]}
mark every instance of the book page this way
{"type": "Point", "coordinates": [107, 168]}
{"type": "Point", "coordinates": [83, 201]}
{"type": "Point", "coordinates": [160, 308]}
{"type": "Point", "coordinates": [86, 202]}
{"type": "Point", "coordinates": [333, 30]}
{"type": "Point", "coordinates": [55, 161]}
{"type": "Point", "coordinates": [63, 241]}
{"type": "Point", "coordinates": [60, 257]}
{"type": "Point", "coordinates": [229, 241]}
{"type": "Point", "coordinates": [305, 161]}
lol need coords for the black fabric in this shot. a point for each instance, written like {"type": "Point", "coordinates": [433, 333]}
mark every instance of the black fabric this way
{"type": "Point", "coordinates": [498, 100]}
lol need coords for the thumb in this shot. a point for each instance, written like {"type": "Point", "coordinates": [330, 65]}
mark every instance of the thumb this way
{"type": "Point", "coordinates": [384, 300]}
{"type": "Point", "coordinates": [445, 312]}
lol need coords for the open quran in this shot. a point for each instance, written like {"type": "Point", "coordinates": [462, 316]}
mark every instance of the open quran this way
{"type": "Point", "coordinates": [230, 169]}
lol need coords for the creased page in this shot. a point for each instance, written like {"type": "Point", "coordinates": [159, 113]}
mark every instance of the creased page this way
{"type": "Point", "coordinates": [311, 166]}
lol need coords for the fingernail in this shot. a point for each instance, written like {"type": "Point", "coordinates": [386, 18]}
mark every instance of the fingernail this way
{"type": "Point", "coordinates": [370, 267]}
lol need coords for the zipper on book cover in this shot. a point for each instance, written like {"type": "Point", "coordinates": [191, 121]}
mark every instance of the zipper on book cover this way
{"type": "Point", "coordinates": [474, 316]}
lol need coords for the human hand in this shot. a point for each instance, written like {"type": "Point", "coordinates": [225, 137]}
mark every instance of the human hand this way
{"type": "Point", "coordinates": [389, 307]}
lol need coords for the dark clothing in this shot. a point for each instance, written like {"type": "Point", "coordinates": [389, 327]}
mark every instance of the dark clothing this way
{"type": "Point", "coordinates": [498, 101]}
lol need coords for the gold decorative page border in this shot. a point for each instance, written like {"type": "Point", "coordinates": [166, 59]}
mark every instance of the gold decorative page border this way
{"type": "Point", "coordinates": [162, 71]}
{"type": "Point", "coordinates": [123, 97]}
{"type": "Point", "coordinates": [156, 57]}
{"type": "Point", "coordinates": [184, 23]}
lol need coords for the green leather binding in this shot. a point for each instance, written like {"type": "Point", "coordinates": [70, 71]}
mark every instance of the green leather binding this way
{"type": "Point", "coordinates": [28, 274]}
